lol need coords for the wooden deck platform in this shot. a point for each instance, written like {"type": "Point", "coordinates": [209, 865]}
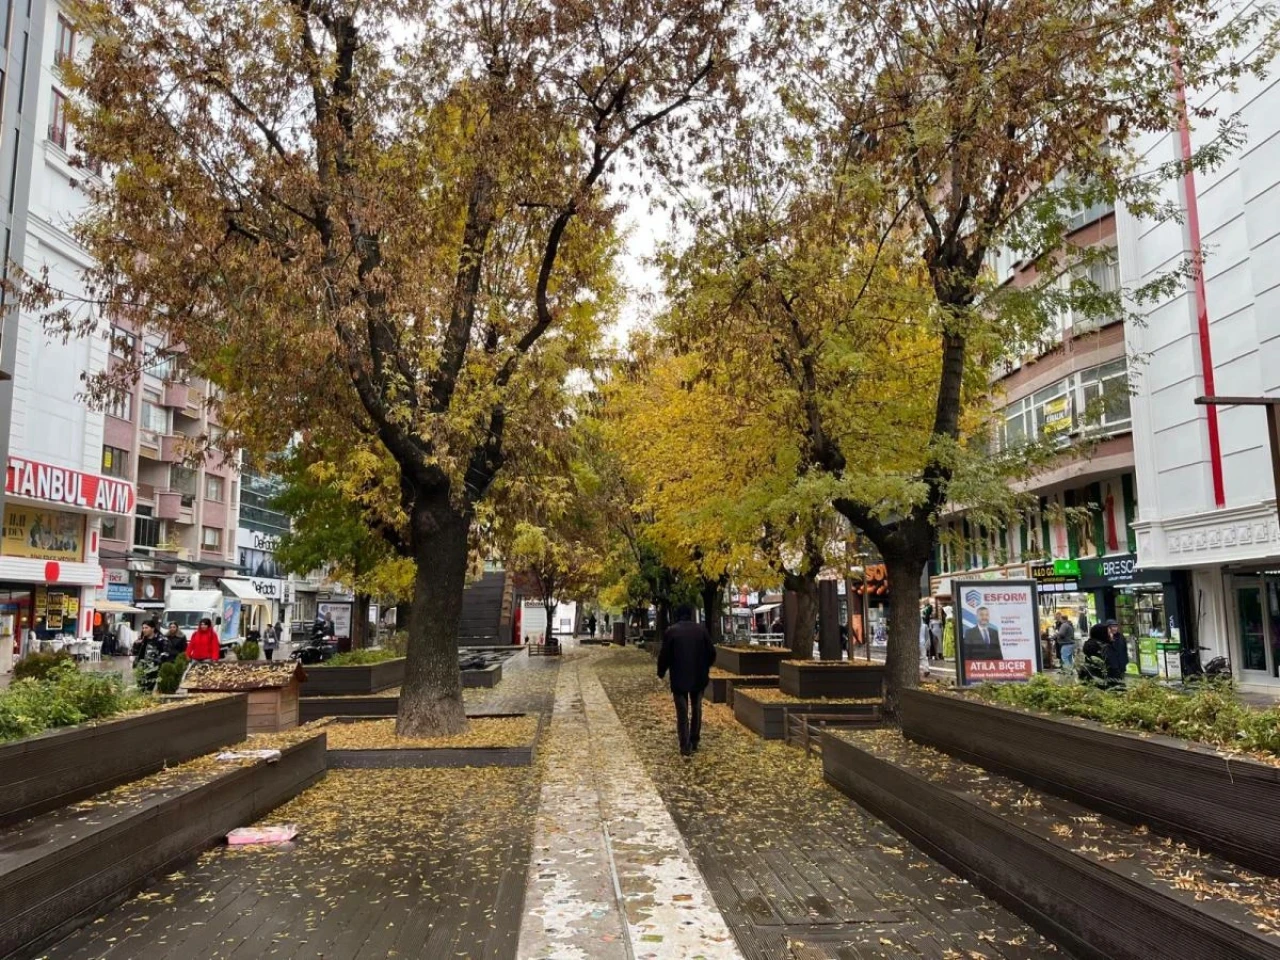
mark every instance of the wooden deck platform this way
{"type": "Point", "coordinates": [797, 870]}
{"type": "Point", "coordinates": [412, 863]}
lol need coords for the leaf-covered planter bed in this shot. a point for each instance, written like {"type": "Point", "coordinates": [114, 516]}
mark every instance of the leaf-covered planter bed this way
{"type": "Point", "coordinates": [1092, 907]}
{"type": "Point", "coordinates": [63, 766]}
{"type": "Point", "coordinates": [1223, 804]}
{"type": "Point", "coordinates": [817, 678]}
{"type": "Point", "coordinates": [507, 755]}
{"type": "Point", "coordinates": [325, 681]}
{"type": "Point", "coordinates": [67, 867]}
{"type": "Point", "coordinates": [758, 711]}
{"type": "Point", "coordinates": [753, 661]}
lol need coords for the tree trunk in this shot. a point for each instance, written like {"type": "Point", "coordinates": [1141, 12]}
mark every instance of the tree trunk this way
{"type": "Point", "coordinates": [902, 660]}
{"type": "Point", "coordinates": [663, 619]}
{"type": "Point", "coordinates": [713, 607]}
{"type": "Point", "coordinates": [431, 696]}
{"type": "Point", "coordinates": [550, 609]}
{"type": "Point", "coordinates": [360, 622]}
{"type": "Point", "coordinates": [805, 588]}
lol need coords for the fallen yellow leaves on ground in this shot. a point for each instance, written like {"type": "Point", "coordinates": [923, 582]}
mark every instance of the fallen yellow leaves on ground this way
{"type": "Point", "coordinates": [774, 695]}
{"type": "Point", "coordinates": [481, 732]}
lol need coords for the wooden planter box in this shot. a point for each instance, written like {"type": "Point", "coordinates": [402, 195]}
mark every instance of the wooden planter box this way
{"type": "Point", "coordinates": [818, 679]}
{"type": "Point", "coordinates": [769, 719]}
{"type": "Point", "coordinates": [519, 756]}
{"type": "Point", "coordinates": [316, 708]}
{"type": "Point", "coordinates": [489, 676]}
{"type": "Point", "coordinates": [1093, 910]}
{"type": "Point", "coordinates": [755, 662]}
{"type": "Point", "coordinates": [63, 766]}
{"type": "Point", "coordinates": [722, 687]}
{"type": "Point", "coordinates": [62, 870]}
{"type": "Point", "coordinates": [371, 678]}
{"type": "Point", "coordinates": [1227, 806]}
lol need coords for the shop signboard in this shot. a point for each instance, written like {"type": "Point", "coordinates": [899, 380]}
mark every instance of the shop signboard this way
{"type": "Point", "coordinates": [32, 480]}
{"type": "Point", "coordinates": [998, 630]}
{"type": "Point", "coordinates": [1056, 576]}
{"type": "Point", "coordinates": [120, 592]}
{"type": "Point", "coordinates": [117, 576]}
{"type": "Point", "coordinates": [1118, 570]}
{"type": "Point", "coordinates": [43, 534]}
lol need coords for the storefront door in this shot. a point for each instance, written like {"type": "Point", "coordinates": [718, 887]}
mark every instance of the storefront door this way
{"type": "Point", "coordinates": [1257, 615]}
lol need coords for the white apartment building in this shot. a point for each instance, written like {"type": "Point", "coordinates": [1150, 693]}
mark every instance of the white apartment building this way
{"type": "Point", "coordinates": [1206, 504]}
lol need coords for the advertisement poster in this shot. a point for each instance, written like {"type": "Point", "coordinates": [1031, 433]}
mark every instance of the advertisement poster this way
{"type": "Point", "coordinates": [43, 534]}
{"type": "Point", "coordinates": [340, 614]}
{"type": "Point", "coordinates": [998, 636]}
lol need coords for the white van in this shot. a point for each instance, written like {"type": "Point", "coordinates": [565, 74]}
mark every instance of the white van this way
{"type": "Point", "coordinates": [187, 608]}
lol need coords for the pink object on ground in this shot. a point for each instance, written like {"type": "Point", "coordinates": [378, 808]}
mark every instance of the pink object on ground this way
{"type": "Point", "coordinates": [278, 834]}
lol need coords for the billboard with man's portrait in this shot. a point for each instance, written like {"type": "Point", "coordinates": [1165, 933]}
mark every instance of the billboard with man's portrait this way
{"type": "Point", "coordinates": [997, 635]}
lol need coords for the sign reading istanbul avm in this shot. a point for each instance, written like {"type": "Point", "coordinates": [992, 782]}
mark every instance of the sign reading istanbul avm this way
{"type": "Point", "coordinates": [33, 480]}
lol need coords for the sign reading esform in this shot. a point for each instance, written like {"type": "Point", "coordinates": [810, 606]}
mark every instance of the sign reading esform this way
{"type": "Point", "coordinates": [33, 480]}
{"type": "Point", "coordinates": [998, 635]}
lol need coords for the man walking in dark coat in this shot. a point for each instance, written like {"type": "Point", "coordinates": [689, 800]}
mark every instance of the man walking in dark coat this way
{"type": "Point", "coordinates": [688, 653]}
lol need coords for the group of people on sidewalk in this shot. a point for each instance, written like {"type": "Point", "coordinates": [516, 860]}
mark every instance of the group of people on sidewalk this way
{"type": "Point", "coordinates": [1106, 651]}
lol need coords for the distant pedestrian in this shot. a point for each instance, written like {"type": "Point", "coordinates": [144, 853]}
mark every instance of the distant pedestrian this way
{"type": "Point", "coordinates": [935, 638]}
{"type": "Point", "coordinates": [124, 638]}
{"type": "Point", "coordinates": [270, 638]}
{"type": "Point", "coordinates": [1064, 640]}
{"type": "Point", "coordinates": [1117, 653]}
{"type": "Point", "coordinates": [204, 643]}
{"type": "Point", "coordinates": [1094, 667]}
{"type": "Point", "coordinates": [175, 641]}
{"type": "Point", "coordinates": [687, 653]}
{"type": "Point", "coordinates": [591, 626]}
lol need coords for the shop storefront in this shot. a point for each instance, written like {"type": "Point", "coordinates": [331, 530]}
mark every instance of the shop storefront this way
{"type": "Point", "coordinates": [1255, 610]}
{"type": "Point", "coordinates": [49, 572]}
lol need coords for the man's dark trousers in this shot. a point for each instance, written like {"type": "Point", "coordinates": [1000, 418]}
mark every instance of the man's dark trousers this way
{"type": "Point", "coordinates": [688, 719]}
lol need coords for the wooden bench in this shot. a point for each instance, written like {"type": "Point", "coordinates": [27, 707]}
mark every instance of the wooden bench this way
{"type": "Point", "coordinates": [544, 649]}
{"type": "Point", "coordinates": [804, 729]}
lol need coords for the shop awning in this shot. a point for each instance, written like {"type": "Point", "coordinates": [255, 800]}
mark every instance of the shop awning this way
{"type": "Point", "coordinates": [114, 606]}
{"type": "Point", "coordinates": [765, 608]}
{"type": "Point", "coordinates": [243, 590]}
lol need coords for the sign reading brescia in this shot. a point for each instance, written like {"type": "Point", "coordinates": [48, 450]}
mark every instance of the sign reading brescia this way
{"type": "Point", "coordinates": [998, 635]}
{"type": "Point", "coordinates": [33, 480]}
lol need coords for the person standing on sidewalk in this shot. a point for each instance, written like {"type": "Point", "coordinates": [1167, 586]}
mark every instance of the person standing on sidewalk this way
{"type": "Point", "coordinates": [1064, 640]}
{"type": "Point", "coordinates": [687, 653]}
{"type": "Point", "coordinates": [204, 643]}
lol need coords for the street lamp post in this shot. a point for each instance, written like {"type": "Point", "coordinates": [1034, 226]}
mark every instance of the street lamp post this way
{"type": "Point", "coordinates": [1273, 427]}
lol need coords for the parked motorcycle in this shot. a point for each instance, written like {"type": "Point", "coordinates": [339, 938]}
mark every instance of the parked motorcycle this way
{"type": "Point", "coordinates": [317, 649]}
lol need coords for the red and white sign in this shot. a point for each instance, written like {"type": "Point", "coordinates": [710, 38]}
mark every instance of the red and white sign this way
{"type": "Point", "coordinates": [46, 483]}
{"type": "Point", "coordinates": [998, 639]}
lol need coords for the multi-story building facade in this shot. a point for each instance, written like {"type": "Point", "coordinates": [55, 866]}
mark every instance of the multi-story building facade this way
{"type": "Point", "coordinates": [183, 534]}
{"type": "Point", "coordinates": [1206, 487]}
{"type": "Point", "coordinates": [1079, 542]}
{"type": "Point", "coordinates": [56, 499]}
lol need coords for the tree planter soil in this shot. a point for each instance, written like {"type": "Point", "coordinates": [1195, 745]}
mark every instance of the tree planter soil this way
{"type": "Point", "coordinates": [1225, 805]}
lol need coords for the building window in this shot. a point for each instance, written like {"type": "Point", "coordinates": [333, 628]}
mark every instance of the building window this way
{"type": "Point", "coordinates": [154, 417]}
{"type": "Point", "coordinates": [147, 530]}
{"type": "Point", "coordinates": [213, 488]}
{"type": "Point", "coordinates": [123, 343]}
{"type": "Point", "coordinates": [1105, 392]}
{"type": "Point", "coordinates": [111, 528]}
{"type": "Point", "coordinates": [58, 121]}
{"type": "Point", "coordinates": [210, 538]}
{"type": "Point", "coordinates": [121, 406]}
{"type": "Point", "coordinates": [65, 40]}
{"type": "Point", "coordinates": [115, 462]}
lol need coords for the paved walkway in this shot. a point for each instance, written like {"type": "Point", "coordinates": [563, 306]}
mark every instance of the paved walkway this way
{"type": "Point", "coordinates": [610, 878]}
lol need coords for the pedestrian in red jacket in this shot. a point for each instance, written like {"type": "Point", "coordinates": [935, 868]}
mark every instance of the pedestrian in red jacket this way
{"type": "Point", "coordinates": [203, 644]}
